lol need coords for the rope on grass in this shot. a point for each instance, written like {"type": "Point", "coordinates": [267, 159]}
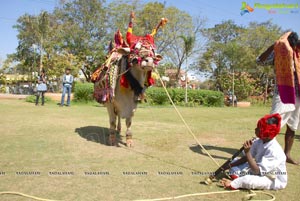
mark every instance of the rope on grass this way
{"type": "Point", "coordinates": [254, 193]}
{"type": "Point", "coordinates": [184, 122]}
{"type": "Point", "coordinates": [189, 195]}
{"type": "Point", "coordinates": [25, 195]}
{"type": "Point", "coordinates": [246, 197]}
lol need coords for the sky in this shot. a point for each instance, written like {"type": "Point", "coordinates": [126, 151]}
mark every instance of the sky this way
{"type": "Point", "coordinates": [215, 11]}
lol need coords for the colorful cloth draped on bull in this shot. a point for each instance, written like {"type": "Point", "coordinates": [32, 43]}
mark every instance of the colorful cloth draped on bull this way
{"type": "Point", "coordinates": [105, 78]}
{"type": "Point", "coordinates": [287, 65]}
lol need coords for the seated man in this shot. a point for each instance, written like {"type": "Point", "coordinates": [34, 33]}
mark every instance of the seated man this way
{"type": "Point", "coordinates": [263, 166]}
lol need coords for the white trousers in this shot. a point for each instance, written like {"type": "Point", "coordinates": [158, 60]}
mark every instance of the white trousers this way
{"type": "Point", "coordinates": [247, 181]}
{"type": "Point", "coordinates": [290, 113]}
{"type": "Point", "coordinates": [253, 182]}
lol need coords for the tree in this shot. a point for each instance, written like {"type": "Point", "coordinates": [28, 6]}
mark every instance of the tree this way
{"type": "Point", "coordinates": [32, 34]}
{"type": "Point", "coordinates": [189, 42]}
{"type": "Point", "coordinates": [244, 84]}
{"type": "Point", "coordinates": [181, 24]}
{"type": "Point", "coordinates": [118, 15]}
{"type": "Point", "coordinates": [222, 51]}
{"type": "Point", "coordinates": [257, 38]}
{"type": "Point", "coordinates": [83, 28]}
{"type": "Point", "coordinates": [233, 49]}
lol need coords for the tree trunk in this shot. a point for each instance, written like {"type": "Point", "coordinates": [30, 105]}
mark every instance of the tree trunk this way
{"type": "Point", "coordinates": [266, 91]}
{"type": "Point", "coordinates": [41, 55]}
{"type": "Point", "coordinates": [87, 76]}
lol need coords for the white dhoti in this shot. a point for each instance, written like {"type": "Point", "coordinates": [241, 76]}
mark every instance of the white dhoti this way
{"type": "Point", "coordinates": [290, 113]}
{"type": "Point", "coordinates": [247, 181]}
{"type": "Point", "coordinates": [253, 182]}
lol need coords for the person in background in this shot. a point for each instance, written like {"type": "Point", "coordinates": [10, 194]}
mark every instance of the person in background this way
{"type": "Point", "coordinates": [67, 87]}
{"type": "Point", "coordinates": [41, 88]}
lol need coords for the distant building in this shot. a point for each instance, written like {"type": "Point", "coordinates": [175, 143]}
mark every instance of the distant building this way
{"type": "Point", "coordinates": [192, 80]}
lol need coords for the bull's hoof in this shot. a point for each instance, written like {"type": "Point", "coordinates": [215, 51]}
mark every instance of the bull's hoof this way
{"type": "Point", "coordinates": [129, 141]}
{"type": "Point", "coordinates": [112, 140]}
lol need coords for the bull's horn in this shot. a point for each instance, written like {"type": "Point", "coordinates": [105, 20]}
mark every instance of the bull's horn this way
{"type": "Point", "coordinates": [124, 50]}
{"type": "Point", "coordinates": [162, 23]}
{"type": "Point", "coordinates": [158, 57]}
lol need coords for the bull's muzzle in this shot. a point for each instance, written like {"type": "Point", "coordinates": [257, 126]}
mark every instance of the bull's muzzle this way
{"type": "Point", "coordinates": [147, 63]}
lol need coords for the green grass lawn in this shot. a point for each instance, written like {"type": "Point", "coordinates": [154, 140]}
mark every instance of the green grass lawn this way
{"type": "Point", "coordinates": [48, 139]}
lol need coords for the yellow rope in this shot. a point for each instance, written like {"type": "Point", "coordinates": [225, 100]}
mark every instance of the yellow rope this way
{"type": "Point", "coordinates": [254, 193]}
{"type": "Point", "coordinates": [189, 195]}
{"type": "Point", "coordinates": [184, 122]}
{"type": "Point", "coordinates": [246, 197]}
{"type": "Point", "coordinates": [25, 195]}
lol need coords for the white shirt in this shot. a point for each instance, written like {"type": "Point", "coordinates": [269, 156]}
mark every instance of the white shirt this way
{"type": "Point", "coordinates": [68, 78]}
{"type": "Point", "coordinates": [271, 160]}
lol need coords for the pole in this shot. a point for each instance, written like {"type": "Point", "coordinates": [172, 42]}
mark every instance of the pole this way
{"type": "Point", "coordinates": [233, 87]}
{"type": "Point", "coordinates": [34, 62]}
{"type": "Point", "coordinates": [186, 98]}
{"type": "Point", "coordinates": [186, 77]}
{"type": "Point", "coordinates": [41, 54]}
{"type": "Point", "coordinates": [266, 90]}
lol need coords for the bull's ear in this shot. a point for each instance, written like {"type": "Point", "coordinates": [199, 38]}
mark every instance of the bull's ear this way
{"type": "Point", "coordinates": [123, 50]}
{"type": "Point", "coordinates": [158, 57]}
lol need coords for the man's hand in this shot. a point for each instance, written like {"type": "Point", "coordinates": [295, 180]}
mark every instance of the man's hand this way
{"type": "Point", "coordinates": [247, 145]}
{"type": "Point", "coordinates": [252, 163]}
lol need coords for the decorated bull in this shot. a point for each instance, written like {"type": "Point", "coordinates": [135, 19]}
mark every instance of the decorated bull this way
{"type": "Point", "coordinates": [124, 77]}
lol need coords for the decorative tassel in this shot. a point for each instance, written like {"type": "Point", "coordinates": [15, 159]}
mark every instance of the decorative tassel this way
{"type": "Point", "coordinates": [124, 82]}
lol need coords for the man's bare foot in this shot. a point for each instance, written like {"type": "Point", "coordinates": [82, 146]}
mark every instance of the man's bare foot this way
{"type": "Point", "coordinates": [290, 160]}
{"type": "Point", "coordinates": [226, 183]}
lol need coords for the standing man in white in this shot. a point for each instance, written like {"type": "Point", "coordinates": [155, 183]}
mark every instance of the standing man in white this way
{"type": "Point", "coordinates": [67, 87]}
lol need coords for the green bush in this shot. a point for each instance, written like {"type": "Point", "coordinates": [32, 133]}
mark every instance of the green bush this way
{"type": "Point", "coordinates": [32, 98]}
{"type": "Point", "coordinates": [83, 92]}
{"type": "Point", "coordinates": [2, 89]}
{"type": "Point", "coordinates": [157, 96]}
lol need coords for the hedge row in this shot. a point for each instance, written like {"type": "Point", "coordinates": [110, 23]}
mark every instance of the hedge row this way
{"type": "Point", "coordinates": [158, 96]}
{"type": "Point", "coordinates": [83, 92]}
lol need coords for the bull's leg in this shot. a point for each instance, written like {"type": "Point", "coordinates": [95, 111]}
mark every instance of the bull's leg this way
{"type": "Point", "coordinates": [129, 141]}
{"type": "Point", "coordinates": [119, 124]}
{"type": "Point", "coordinates": [112, 121]}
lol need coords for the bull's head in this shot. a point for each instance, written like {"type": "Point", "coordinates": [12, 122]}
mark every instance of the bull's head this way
{"type": "Point", "coordinates": [142, 55]}
{"type": "Point", "coordinates": [141, 48]}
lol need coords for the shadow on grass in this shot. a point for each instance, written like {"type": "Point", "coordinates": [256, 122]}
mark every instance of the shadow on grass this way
{"type": "Point", "coordinates": [96, 134]}
{"type": "Point", "coordinates": [197, 149]}
{"type": "Point", "coordinates": [100, 135]}
{"type": "Point", "coordinates": [160, 159]}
